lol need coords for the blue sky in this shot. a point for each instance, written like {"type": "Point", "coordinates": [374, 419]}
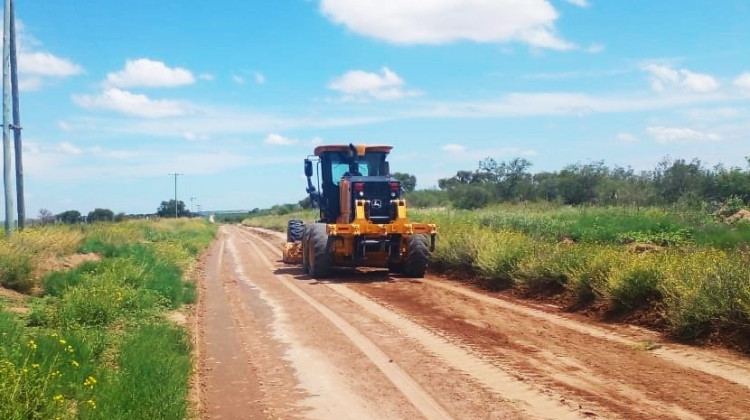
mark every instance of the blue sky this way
{"type": "Point", "coordinates": [234, 94]}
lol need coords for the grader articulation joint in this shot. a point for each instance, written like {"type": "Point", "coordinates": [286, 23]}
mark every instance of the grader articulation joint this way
{"type": "Point", "coordinates": [363, 220]}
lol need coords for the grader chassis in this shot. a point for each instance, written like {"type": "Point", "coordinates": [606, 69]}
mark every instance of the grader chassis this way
{"type": "Point", "coordinates": [363, 221]}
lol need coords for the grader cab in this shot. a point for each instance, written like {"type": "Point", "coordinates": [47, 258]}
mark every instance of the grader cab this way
{"type": "Point", "coordinates": [363, 220]}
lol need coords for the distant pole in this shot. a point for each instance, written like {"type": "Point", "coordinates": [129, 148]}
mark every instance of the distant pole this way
{"type": "Point", "coordinates": [175, 192]}
{"type": "Point", "coordinates": [9, 216]}
{"type": "Point", "coordinates": [17, 144]}
{"type": "Point", "coordinates": [191, 205]}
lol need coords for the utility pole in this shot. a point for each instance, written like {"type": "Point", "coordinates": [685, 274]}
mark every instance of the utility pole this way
{"type": "Point", "coordinates": [9, 216]}
{"type": "Point", "coordinates": [16, 127]}
{"type": "Point", "coordinates": [191, 206]}
{"type": "Point", "coordinates": [175, 192]}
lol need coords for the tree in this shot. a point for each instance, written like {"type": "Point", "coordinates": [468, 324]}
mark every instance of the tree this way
{"type": "Point", "coordinates": [100, 215]}
{"type": "Point", "coordinates": [408, 181]}
{"type": "Point", "coordinates": [69, 216]}
{"type": "Point", "coordinates": [46, 216]}
{"type": "Point", "coordinates": [166, 209]}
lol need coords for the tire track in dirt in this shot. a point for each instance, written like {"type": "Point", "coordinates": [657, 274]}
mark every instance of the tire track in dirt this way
{"type": "Point", "coordinates": [421, 400]}
{"type": "Point", "coordinates": [676, 381]}
{"type": "Point", "coordinates": [732, 371]}
{"type": "Point", "coordinates": [528, 399]}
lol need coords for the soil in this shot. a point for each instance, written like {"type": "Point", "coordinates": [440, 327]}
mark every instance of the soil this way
{"type": "Point", "coordinates": [740, 215]}
{"type": "Point", "coordinates": [273, 343]}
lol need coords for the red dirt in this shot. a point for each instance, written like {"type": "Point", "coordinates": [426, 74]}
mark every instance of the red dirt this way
{"type": "Point", "coordinates": [274, 344]}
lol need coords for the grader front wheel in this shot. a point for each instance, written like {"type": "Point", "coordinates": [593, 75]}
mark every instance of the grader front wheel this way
{"type": "Point", "coordinates": [417, 256]}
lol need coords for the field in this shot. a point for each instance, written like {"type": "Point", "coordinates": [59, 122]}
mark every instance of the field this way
{"type": "Point", "coordinates": [682, 271]}
{"type": "Point", "coordinates": [92, 340]}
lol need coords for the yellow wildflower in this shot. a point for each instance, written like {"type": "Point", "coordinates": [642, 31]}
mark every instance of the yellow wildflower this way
{"type": "Point", "coordinates": [63, 342]}
{"type": "Point", "coordinates": [32, 344]}
{"type": "Point", "coordinates": [35, 365]}
{"type": "Point", "coordinates": [90, 381]}
{"type": "Point", "coordinates": [70, 349]}
{"type": "Point", "coordinates": [58, 398]}
{"type": "Point", "coordinates": [91, 403]}
{"type": "Point", "coordinates": [74, 363]}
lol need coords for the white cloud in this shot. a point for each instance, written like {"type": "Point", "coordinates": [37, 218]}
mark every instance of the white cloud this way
{"type": "Point", "coordinates": [595, 48]}
{"type": "Point", "coordinates": [46, 64]}
{"type": "Point", "coordinates": [316, 141]}
{"type": "Point", "coordinates": [28, 84]}
{"type": "Point", "coordinates": [69, 149]}
{"type": "Point", "coordinates": [64, 126]}
{"type": "Point", "coordinates": [680, 135]}
{"type": "Point", "coordinates": [358, 85]}
{"type": "Point", "coordinates": [743, 81]}
{"type": "Point", "coordinates": [259, 77]}
{"type": "Point", "coordinates": [192, 136]}
{"type": "Point", "coordinates": [453, 148]}
{"type": "Point", "coordinates": [445, 21]}
{"type": "Point", "coordinates": [206, 76]}
{"type": "Point", "coordinates": [144, 72]}
{"type": "Point", "coordinates": [238, 79]}
{"type": "Point", "coordinates": [579, 3]}
{"type": "Point", "coordinates": [561, 103]}
{"type": "Point", "coordinates": [664, 78]}
{"type": "Point", "coordinates": [279, 140]}
{"type": "Point", "coordinates": [696, 82]}
{"type": "Point", "coordinates": [129, 103]}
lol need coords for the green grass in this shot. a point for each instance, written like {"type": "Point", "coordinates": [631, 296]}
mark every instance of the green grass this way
{"type": "Point", "coordinates": [279, 222]}
{"type": "Point", "coordinates": [700, 276]}
{"type": "Point", "coordinates": [154, 367]}
{"type": "Point", "coordinates": [97, 344]}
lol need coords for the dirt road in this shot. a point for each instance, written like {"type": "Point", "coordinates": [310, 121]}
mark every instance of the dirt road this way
{"type": "Point", "coordinates": [275, 344]}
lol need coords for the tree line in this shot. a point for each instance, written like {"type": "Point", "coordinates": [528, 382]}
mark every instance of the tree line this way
{"type": "Point", "coordinates": [165, 209]}
{"type": "Point", "coordinates": [672, 181]}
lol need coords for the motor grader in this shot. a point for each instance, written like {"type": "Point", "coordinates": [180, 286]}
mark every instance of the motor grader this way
{"type": "Point", "coordinates": [363, 220]}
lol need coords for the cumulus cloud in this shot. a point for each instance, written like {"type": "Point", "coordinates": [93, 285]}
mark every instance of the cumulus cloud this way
{"type": "Point", "coordinates": [743, 81]}
{"type": "Point", "coordinates": [439, 22]}
{"type": "Point", "coordinates": [680, 135]}
{"type": "Point", "coordinates": [453, 148]}
{"type": "Point", "coordinates": [28, 84]}
{"type": "Point", "coordinates": [664, 78]}
{"type": "Point", "coordinates": [579, 3]}
{"type": "Point", "coordinates": [46, 64]}
{"type": "Point", "coordinates": [144, 72]}
{"type": "Point", "coordinates": [279, 140]}
{"type": "Point", "coordinates": [129, 103]}
{"type": "Point", "coordinates": [358, 85]}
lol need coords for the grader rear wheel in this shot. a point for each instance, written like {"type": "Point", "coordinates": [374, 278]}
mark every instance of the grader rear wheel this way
{"type": "Point", "coordinates": [320, 262]}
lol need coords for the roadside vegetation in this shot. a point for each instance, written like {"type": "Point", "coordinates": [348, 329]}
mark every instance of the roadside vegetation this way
{"type": "Point", "coordinates": [94, 342]}
{"type": "Point", "coordinates": [667, 248]}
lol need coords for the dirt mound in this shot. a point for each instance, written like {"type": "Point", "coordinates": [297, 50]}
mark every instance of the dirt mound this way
{"type": "Point", "coordinates": [742, 215]}
{"type": "Point", "coordinates": [56, 263]}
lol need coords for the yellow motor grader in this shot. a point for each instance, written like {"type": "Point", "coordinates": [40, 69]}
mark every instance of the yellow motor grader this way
{"type": "Point", "coordinates": [363, 219]}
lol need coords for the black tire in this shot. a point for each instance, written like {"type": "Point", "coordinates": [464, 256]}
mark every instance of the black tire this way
{"type": "Point", "coordinates": [417, 256]}
{"type": "Point", "coordinates": [319, 260]}
{"type": "Point", "coordinates": [306, 249]}
{"type": "Point", "coordinates": [294, 230]}
{"type": "Point", "coordinates": [396, 268]}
